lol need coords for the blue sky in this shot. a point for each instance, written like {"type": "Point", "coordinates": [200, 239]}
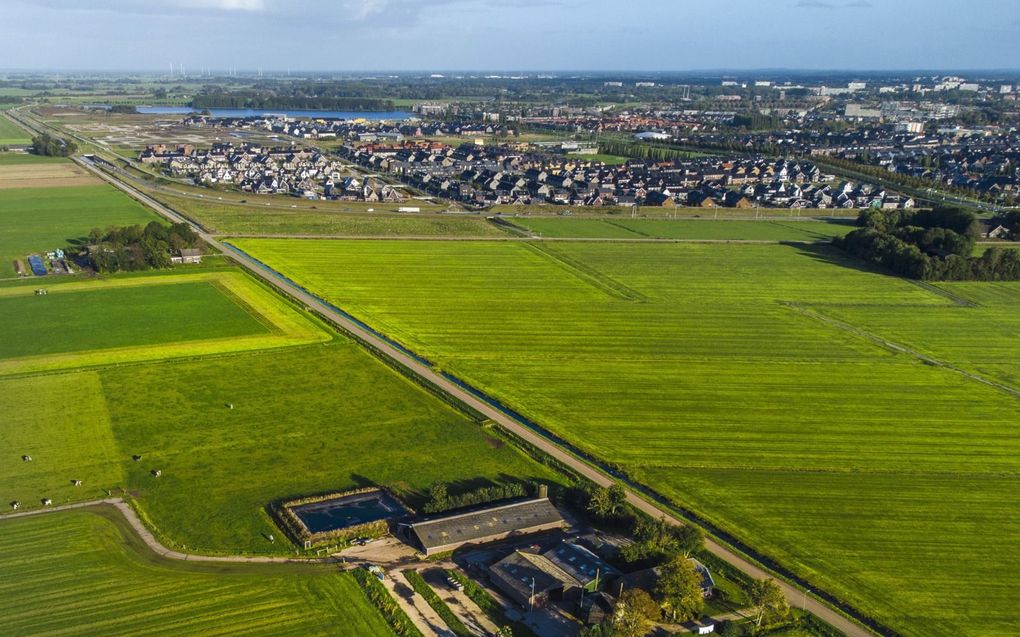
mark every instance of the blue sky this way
{"type": "Point", "coordinates": [510, 34]}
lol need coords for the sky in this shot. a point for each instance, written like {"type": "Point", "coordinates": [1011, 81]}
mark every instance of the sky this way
{"type": "Point", "coordinates": [622, 35]}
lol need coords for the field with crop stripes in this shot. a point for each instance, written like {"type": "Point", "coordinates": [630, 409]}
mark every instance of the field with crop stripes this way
{"type": "Point", "coordinates": [82, 573]}
{"type": "Point", "coordinates": [686, 229]}
{"type": "Point", "coordinates": [129, 318]}
{"type": "Point", "coordinates": [736, 380]}
{"type": "Point", "coordinates": [329, 218]}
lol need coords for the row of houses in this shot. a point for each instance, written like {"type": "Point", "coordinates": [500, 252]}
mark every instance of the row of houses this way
{"type": "Point", "coordinates": [360, 130]}
{"type": "Point", "coordinates": [265, 170]}
{"type": "Point", "coordinates": [483, 176]}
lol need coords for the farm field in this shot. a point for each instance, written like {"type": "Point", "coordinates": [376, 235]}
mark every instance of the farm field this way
{"type": "Point", "coordinates": [11, 133]}
{"type": "Point", "coordinates": [85, 573]}
{"type": "Point", "coordinates": [44, 175]}
{"type": "Point", "coordinates": [147, 317]}
{"type": "Point", "coordinates": [693, 229]}
{"type": "Point", "coordinates": [303, 420]}
{"type": "Point", "coordinates": [710, 373]}
{"type": "Point", "coordinates": [41, 219]}
{"type": "Point", "coordinates": [227, 219]}
{"type": "Point", "coordinates": [12, 158]}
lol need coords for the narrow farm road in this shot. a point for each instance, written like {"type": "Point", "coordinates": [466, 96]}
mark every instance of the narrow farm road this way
{"type": "Point", "coordinates": [422, 370]}
{"type": "Point", "coordinates": [154, 544]}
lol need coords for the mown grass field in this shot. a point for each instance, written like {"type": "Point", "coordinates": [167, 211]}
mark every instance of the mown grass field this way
{"type": "Point", "coordinates": [154, 316]}
{"type": "Point", "coordinates": [41, 219]}
{"type": "Point", "coordinates": [11, 159]}
{"type": "Point", "coordinates": [227, 219]}
{"type": "Point", "coordinates": [691, 229]}
{"type": "Point", "coordinates": [304, 420]}
{"type": "Point", "coordinates": [144, 315]}
{"type": "Point", "coordinates": [702, 370]}
{"type": "Point", "coordinates": [11, 133]}
{"type": "Point", "coordinates": [84, 573]}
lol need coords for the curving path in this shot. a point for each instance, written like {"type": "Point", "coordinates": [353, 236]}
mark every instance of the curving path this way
{"type": "Point", "coordinates": [154, 544]}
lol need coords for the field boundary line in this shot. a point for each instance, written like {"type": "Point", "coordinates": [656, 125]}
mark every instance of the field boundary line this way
{"type": "Point", "coordinates": [897, 348]}
{"type": "Point", "coordinates": [588, 275]}
{"type": "Point", "coordinates": [934, 289]}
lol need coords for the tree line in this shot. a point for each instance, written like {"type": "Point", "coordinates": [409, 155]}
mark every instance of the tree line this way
{"type": "Point", "coordinates": [255, 100]}
{"type": "Point", "coordinates": [929, 245]}
{"type": "Point", "coordinates": [50, 146]}
{"type": "Point", "coordinates": [131, 248]}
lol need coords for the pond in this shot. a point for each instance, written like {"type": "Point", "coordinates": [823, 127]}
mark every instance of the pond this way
{"type": "Point", "coordinates": [349, 510]}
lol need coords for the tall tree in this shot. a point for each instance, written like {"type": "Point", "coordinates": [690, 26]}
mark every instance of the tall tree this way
{"type": "Point", "coordinates": [768, 601]}
{"type": "Point", "coordinates": [679, 590]}
{"type": "Point", "coordinates": [607, 502]}
{"type": "Point", "coordinates": [634, 614]}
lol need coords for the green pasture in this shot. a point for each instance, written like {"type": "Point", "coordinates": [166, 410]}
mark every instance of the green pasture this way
{"type": "Point", "coordinates": [87, 573]}
{"type": "Point", "coordinates": [108, 317]}
{"type": "Point", "coordinates": [231, 219]}
{"type": "Point", "coordinates": [10, 158]}
{"type": "Point", "coordinates": [686, 229]}
{"type": "Point", "coordinates": [736, 380]}
{"type": "Point", "coordinates": [11, 133]}
{"type": "Point", "coordinates": [303, 420]}
{"type": "Point", "coordinates": [41, 219]}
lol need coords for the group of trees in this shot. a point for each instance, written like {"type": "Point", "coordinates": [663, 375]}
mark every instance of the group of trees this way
{"type": "Point", "coordinates": [288, 100]}
{"type": "Point", "coordinates": [441, 500]}
{"type": "Point", "coordinates": [677, 596]}
{"type": "Point", "coordinates": [53, 146]}
{"type": "Point", "coordinates": [135, 247]}
{"type": "Point", "coordinates": [931, 245]}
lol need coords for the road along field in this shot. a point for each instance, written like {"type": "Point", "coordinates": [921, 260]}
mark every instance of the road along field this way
{"type": "Point", "coordinates": [84, 573]}
{"type": "Point", "coordinates": [707, 373]}
{"type": "Point", "coordinates": [124, 319]}
{"type": "Point", "coordinates": [685, 229]}
{"type": "Point", "coordinates": [41, 219]}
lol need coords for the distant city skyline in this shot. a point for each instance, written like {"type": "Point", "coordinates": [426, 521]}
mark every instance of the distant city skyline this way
{"type": "Point", "coordinates": [476, 35]}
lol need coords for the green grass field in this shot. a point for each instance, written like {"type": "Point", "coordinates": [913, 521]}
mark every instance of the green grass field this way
{"type": "Point", "coordinates": [11, 133]}
{"type": "Point", "coordinates": [304, 420]}
{"type": "Point", "coordinates": [8, 159]}
{"type": "Point", "coordinates": [229, 219]}
{"type": "Point", "coordinates": [84, 573]}
{"type": "Point", "coordinates": [703, 372]}
{"type": "Point", "coordinates": [38, 219]}
{"type": "Point", "coordinates": [143, 315]}
{"type": "Point", "coordinates": [690, 229]}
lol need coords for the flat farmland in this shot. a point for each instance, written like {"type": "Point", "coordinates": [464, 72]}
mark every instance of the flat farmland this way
{"type": "Point", "coordinates": [44, 175]}
{"type": "Point", "coordinates": [41, 219]}
{"type": "Point", "coordinates": [234, 219]}
{"type": "Point", "coordinates": [83, 573]}
{"type": "Point", "coordinates": [11, 133]}
{"type": "Point", "coordinates": [714, 374]}
{"type": "Point", "coordinates": [685, 229]}
{"type": "Point", "coordinates": [134, 318]}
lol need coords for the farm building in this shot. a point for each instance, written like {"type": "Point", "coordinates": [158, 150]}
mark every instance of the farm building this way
{"type": "Point", "coordinates": [447, 533]}
{"type": "Point", "coordinates": [648, 578]}
{"type": "Point", "coordinates": [531, 580]}
{"type": "Point", "coordinates": [588, 569]}
{"type": "Point", "coordinates": [187, 255]}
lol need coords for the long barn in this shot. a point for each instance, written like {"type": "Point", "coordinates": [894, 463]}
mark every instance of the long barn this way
{"type": "Point", "coordinates": [440, 535]}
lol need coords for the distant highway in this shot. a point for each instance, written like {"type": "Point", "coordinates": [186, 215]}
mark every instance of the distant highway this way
{"type": "Point", "coordinates": [422, 370]}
